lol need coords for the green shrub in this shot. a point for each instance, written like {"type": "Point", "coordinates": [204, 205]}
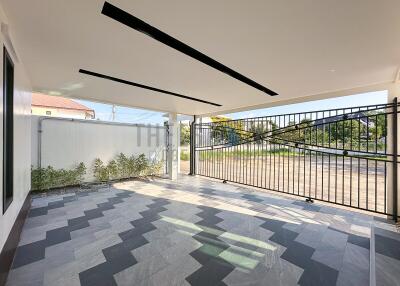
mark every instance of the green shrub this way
{"type": "Point", "coordinates": [80, 171]}
{"type": "Point", "coordinates": [155, 168]}
{"type": "Point", "coordinates": [131, 168]}
{"type": "Point", "coordinates": [47, 178]}
{"type": "Point", "coordinates": [113, 170]}
{"type": "Point", "coordinates": [100, 171]}
{"type": "Point", "coordinates": [141, 165]}
{"type": "Point", "coordinates": [122, 167]}
{"type": "Point", "coordinates": [184, 156]}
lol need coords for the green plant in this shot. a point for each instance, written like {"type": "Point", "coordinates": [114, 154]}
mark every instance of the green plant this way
{"type": "Point", "coordinates": [184, 156]}
{"type": "Point", "coordinates": [37, 176]}
{"type": "Point", "coordinates": [185, 134]}
{"type": "Point", "coordinates": [47, 178]}
{"type": "Point", "coordinates": [80, 172]}
{"type": "Point", "coordinates": [112, 168]}
{"type": "Point", "coordinates": [122, 165]}
{"type": "Point", "coordinates": [155, 168]}
{"type": "Point", "coordinates": [132, 172]}
{"type": "Point", "coordinates": [100, 171]}
{"type": "Point", "coordinates": [141, 165]}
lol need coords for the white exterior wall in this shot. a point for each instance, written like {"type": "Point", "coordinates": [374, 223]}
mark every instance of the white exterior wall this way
{"type": "Point", "coordinates": [65, 142]}
{"type": "Point", "coordinates": [22, 138]}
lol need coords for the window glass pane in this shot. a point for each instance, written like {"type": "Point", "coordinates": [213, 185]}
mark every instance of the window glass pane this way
{"type": "Point", "coordinates": [8, 129]}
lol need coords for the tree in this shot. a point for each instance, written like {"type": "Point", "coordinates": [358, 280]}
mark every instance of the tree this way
{"type": "Point", "coordinates": [348, 131]}
{"type": "Point", "coordinates": [225, 130]}
{"type": "Point", "coordinates": [185, 134]}
{"type": "Point", "coordinates": [295, 132]}
{"type": "Point", "coordinates": [259, 131]}
{"type": "Point", "coordinates": [379, 129]}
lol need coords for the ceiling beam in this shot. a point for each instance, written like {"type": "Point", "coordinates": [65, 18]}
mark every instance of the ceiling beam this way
{"type": "Point", "coordinates": [135, 84]}
{"type": "Point", "coordinates": [131, 21]}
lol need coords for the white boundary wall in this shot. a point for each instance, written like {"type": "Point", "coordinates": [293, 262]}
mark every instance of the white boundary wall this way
{"type": "Point", "coordinates": [64, 143]}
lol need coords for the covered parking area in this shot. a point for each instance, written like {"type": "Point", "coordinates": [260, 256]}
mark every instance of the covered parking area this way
{"type": "Point", "coordinates": [198, 59]}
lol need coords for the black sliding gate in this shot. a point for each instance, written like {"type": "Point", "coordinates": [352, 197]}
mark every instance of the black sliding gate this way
{"type": "Point", "coordinates": [343, 156]}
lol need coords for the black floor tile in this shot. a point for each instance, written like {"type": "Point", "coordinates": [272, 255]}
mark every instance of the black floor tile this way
{"type": "Point", "coordinates": [387, 246]}
{"type": "Point", "coordinates": [29, 253]}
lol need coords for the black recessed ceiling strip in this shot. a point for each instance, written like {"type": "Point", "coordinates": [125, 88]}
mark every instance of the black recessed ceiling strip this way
{"type": "Point", "coordinates": [141, 26]}
{"type": "Point", "coordinates": [144, 86]}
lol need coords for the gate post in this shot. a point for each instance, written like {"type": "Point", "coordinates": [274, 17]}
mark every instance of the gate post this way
{"type": "Point", "coordinates": [173, 146]}
{"type": "Point", "coordinates": [193, 147]}
{"type": "Point", "coordinates": [395, 158]}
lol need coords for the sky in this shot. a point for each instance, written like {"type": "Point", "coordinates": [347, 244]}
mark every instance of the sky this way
{"type": "Point", "coordinates": [125, 114]}
{"type": "Point", "coordinates": [134, 115]}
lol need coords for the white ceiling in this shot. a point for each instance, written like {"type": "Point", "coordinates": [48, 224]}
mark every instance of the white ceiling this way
{"type": "Point", "coordinates": [296, 48]}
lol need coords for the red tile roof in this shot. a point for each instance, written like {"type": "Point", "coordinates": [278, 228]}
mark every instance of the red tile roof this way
{"type": "Point", "coordinates": [43, 100]}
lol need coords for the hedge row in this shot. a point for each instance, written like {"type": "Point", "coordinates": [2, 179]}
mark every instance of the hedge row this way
{"type": "Point", "coordinates": [122, 167]}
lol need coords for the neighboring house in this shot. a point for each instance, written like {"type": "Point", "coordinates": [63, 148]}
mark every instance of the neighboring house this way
{"type": "Point", "coordinates": [360, 116]}
{"type": "Point", "coordinates": [59, 107]}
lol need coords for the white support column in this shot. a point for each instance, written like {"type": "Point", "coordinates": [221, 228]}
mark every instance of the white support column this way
{"type": "Point", "coordinates": [199, 120]}
{"type": "Point", "coordinates": [179, 147]}
{"type": "Point", "coordinates": [173, 148]}
{"type": "Point", "coordinates": [393, 91]}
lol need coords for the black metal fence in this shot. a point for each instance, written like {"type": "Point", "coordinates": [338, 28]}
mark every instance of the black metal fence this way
{"type": "Point", "coordinates": [339, 155]}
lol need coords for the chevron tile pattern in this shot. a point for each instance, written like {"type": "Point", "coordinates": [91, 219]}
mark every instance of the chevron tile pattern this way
{"type": "Point", "coordinates": [191, 232]}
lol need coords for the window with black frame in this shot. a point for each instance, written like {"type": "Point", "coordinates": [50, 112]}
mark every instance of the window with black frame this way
{"type": "Point", "coordinates": [8, 130]}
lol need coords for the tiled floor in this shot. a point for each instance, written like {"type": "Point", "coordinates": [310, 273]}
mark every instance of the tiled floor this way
{"type": "Point", "coordinates": [199, 232]}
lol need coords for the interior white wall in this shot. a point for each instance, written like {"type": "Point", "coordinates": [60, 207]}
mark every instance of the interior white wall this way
{"type": "Point", "coordinates": [22, 138]}
{"type": "Point", "coordinates": [66, 143]}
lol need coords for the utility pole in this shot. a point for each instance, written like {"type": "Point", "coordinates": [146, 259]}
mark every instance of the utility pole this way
{"type": "Point", "coordinates": [113, 112]}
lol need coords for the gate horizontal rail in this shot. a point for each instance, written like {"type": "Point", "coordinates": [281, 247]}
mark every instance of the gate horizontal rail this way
{"type": "Point", "coordinates": [342, 155]}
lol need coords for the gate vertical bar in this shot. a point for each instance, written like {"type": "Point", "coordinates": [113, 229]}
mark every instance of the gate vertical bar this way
{"type": "Point", "coordinates": [193, 147]}
{"type": "Point", "coordinates": [166, 146]}
{"type": "Point", "coordinates": [395, 182]}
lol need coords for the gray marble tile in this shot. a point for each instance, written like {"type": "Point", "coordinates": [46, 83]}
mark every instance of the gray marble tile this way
{"type": "Point", "coordinates": [350, 275]}
{"type": "Point", "coordinates": [96, 246]}
{"type": "Point", "coordinates": [358, 256]}
{"type": "Point", "coordinates": [140, 272]}
{"type": "Point", "coordinates": [175, 274]}
{"type": "Point", "coordinates": [31, 274]}
{"type": "Point", "coordinates": [387, 271]}
{"type": "Point", "coordinates": [33, 222]}
{"type": "Point", "coordinates": [333, 239]}
{"type": "Point", "coordinates": [61, 275]}
{"type": "Point", "coordinates": [56, 259]}
{"type": "Point", "coordinates": [391, 232]}
{"type": "Point", "coordinates": [310, 238]}
{"type": "Point", "coordinates": [180, 250]}
{"type": "Point", "coordinates": [331, 257]}
{"type": "Point", "coordinates": [32, 235]}
{"type": "Point", "coordinates": [153, 248]}
{"type": "Point", "coordinates": [282, 273]}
